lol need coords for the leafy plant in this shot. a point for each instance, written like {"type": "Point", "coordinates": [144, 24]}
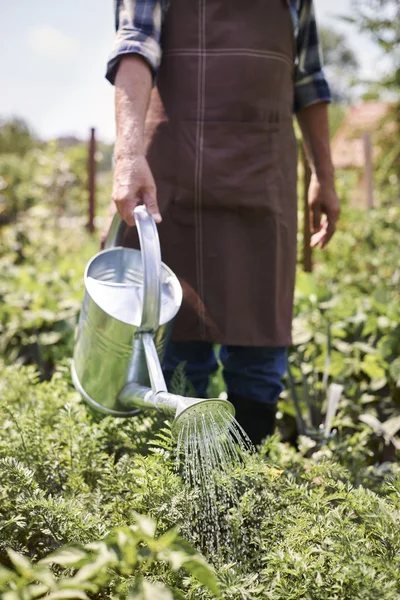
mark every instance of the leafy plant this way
{"type": "Point", "coordinates": [113, 567]}
{"type": "Point", "coordinates": [71, 477]}
{"type": "Point", "coordinates": [312, 520]}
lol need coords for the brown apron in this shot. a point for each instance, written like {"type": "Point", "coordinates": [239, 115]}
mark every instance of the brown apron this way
{"type": "Point", "coordinates": [222, 150]}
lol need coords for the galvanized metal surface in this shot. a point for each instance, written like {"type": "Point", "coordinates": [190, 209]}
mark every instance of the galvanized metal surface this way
{"type": "Point", "coordinates": [109, 350]}
{"type": "Point", "coordinates": [130, 301]}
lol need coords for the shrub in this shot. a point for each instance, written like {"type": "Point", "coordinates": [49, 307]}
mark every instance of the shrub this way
{"type": "Point", "coordinates": [68, 476]}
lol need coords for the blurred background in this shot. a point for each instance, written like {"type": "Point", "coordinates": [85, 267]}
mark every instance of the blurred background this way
{"type": "Point", "coordinates": [56, 135]}
{"type": "Point", "coordinates": [53, 88]}
{"type": "Point", "coordinates": [54, 57]}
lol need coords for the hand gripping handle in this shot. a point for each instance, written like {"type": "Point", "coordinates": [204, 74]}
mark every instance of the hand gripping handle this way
{"type": "Point", "coordinates": [151, 261]}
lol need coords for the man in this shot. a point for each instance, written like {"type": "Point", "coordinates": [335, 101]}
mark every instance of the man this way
{"type": "Point", "coordinates": [211, 148]}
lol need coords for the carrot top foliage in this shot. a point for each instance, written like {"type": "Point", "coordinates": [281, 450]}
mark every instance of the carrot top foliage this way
{"type": "Point", "coordinates": [321, 519]}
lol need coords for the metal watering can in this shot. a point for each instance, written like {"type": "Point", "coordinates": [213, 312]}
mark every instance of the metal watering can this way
{"type": "Point", "coordinates": [131, 299]}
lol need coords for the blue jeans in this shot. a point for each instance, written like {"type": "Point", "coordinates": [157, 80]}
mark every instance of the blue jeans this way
{"type": "Point", "coordinates": [250, 372]}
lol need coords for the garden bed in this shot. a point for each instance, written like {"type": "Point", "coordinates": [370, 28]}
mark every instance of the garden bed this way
{"type": "Point", "coordinates": [316, 520]}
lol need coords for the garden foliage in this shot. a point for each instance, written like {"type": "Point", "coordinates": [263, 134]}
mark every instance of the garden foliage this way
{"type": "Point", "coordinates": [320, 519]}
{"type": "Point", "coordinates": [70, 478]}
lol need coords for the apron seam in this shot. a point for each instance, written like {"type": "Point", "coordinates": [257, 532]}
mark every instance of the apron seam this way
{"type": "Point", "coordinates": [203, 53]}
{"type": "Point", "coordinates": [199, 168]}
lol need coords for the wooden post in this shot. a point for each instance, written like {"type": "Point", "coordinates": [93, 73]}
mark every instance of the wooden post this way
{"type": "Point", "coordinates": [307, 251]}
{"type": "Point", "coordinates": [92, 179]}
{"type": "Point", "coordinates": [369, 182]}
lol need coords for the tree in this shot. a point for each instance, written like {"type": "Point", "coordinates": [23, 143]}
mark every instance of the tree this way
{"type": "Point", "coordinates": [341, 63]}
{"type": "Point", "coordinates": [380, 19]}
{"type": "Point", "coordinates": [16, 137]}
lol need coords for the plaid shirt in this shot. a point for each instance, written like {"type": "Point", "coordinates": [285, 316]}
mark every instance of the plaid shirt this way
{"type": "Point", "coordinates": [138, 24]}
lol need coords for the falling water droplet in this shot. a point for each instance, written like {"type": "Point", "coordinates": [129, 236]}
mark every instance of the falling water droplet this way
{"type": "Point", "coordinates": [209, 449]}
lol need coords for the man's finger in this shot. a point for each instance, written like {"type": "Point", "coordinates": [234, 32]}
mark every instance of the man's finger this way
{"type": "Point", "coordinates": [316, 240]}
{"type": "Point", "coordinates": [315, 216]}
{"type": "Point", "coordinates": [330, 219]}
{"type": "Point", "coordinates": [320, 239]}
{"type": "Point", "coordinates": [330, 228]}
{"type": "Point", "coordinates": [150, 201]}
{"type": "Point", "coordinates": [125, 209]}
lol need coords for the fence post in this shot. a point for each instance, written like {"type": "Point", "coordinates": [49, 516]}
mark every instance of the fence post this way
{"type": "Point", "coordinates": [307, 250]}
{"type": "Point", "coordinates": [368, 169]}
{"type": "Point", "coordinates": [92, 179]}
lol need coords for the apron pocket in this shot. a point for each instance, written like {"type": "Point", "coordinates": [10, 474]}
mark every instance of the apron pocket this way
{"type": "Point", "coordinates": [229, 165]}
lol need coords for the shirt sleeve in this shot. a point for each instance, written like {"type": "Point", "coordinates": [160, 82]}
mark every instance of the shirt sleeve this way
{"type": "Point", "coordinates": [138, 31]}
{"type": "Point", "coordinates": [310, 83]}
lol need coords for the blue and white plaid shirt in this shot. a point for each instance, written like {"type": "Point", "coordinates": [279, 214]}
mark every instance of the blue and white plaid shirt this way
{"type": "Point", "coordinates": [138, 24]}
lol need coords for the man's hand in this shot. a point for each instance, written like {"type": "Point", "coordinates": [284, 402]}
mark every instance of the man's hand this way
{"type": "Point", "coordinates": [322, 198]}
{"type": "Point", "coordinates": [133, 185]}
{"type": "Point", "coordinates": [324, 209]}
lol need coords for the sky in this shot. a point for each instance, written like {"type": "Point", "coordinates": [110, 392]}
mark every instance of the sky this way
{"type": "Point", "coordinates": [53, 57]}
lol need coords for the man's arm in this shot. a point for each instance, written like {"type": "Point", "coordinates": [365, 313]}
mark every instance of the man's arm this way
{"type": "Point", "coordinates": [133, 181]}
{"type": "Point", "coordinates": [312, 96]}
{"type": "Point", "coordinates": [132, 65]}
{"type": "Point", "coordinates": [322, 197]}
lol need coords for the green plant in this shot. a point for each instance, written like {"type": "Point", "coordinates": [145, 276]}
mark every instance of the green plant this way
{"type": "Point", "coordinates": [41, 287]}
{"type": "Point", "coordinates": [311, 520]}
{"type": "Point", "coordinates": [68, 476]}
{"type": "Point", "coordinates": [114, 567]}
{"type": "Point", "coordinates": [353, 315]}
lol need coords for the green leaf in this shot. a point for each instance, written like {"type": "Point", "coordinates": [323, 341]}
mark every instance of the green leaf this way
{"type": "Point", "coordinates": [306, 284]}
{"type": "Point", "coordinates": [394, 370]}
{"type": "Point", "coordinates": [183, 555]}
{"type": "Point", "coordinates": [372, 367]}
{"type": "Point", "coordinates": [91, 570]}
{"type": "Point", "coordinates": [366, 348]}
{"type": "Point", "coordinates": [144, 525]}
{"type": "Point", "coordinates": [6, 575]}
{"type": "Point", "coordinates": [301, 332]}
{"type": "Point", "coordinates": [36, 591]}
{"type": "Point", "coordinates": [198, 567]}
{"type": "Point", "coordinates": [68, 595]}
{"type": "Point", "coordinates": [392, 426]}
{"type": "Point", "coordinates": [11, 596]}
{"type": "Point", "coordinates": [377, 384]}
{"type": "Point", "coordinates": [67, 557]}
{"type": "Point", "coordinates": [49, 338]}
{"type": "Point", "coordinates": [21, 564]}
{"type": "Point", "coordinates": [372, 422]}
{"type": "Point", "coordinates": [144, 590]}
{"type": "Point", "coordinates": [168, 538]}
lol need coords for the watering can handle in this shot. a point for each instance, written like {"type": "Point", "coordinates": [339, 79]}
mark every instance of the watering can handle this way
{"type": "Point", "coordinates": [151, 261]}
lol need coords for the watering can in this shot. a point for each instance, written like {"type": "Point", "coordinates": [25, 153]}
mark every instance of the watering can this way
{"type": "Point", "coordinates": [131, 299]}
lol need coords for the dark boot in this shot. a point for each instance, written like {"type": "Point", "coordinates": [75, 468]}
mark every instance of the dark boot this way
{"type": "Point", "coordinates": [256, 418]}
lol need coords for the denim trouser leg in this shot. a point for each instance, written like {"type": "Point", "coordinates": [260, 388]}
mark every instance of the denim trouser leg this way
{"type": "Point", "coordinates": [200, 361]}
{"type": "Point", "coordinates": [254, 373]}
{"type": "Point", "coordinates": [250, 372]}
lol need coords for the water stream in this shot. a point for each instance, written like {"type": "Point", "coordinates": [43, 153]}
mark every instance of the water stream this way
{"type": "Point", "coordinates": [209, 450]}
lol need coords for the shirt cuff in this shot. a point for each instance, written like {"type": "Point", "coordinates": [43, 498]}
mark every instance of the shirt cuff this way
{"type": "Point", "coordinates": [133, 42]}
{"type": "Point", "coordinates": [310, 90]}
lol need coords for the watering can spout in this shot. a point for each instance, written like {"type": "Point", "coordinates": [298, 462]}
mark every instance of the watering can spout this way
{"type": "Point", "coordinates": [184, 410]}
